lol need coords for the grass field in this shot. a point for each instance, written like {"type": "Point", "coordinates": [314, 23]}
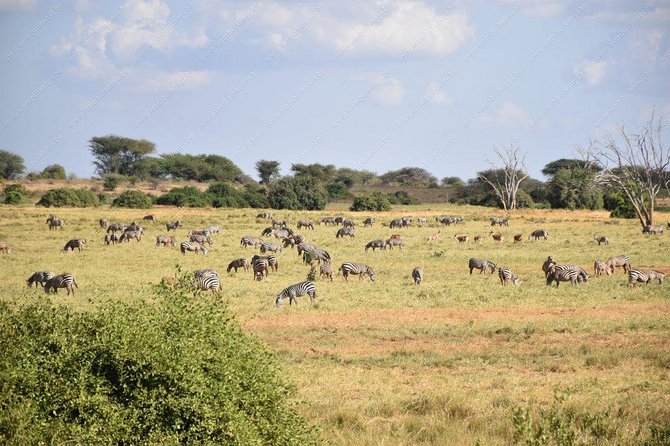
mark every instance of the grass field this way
{"type": "Point", "coordinates": [457, 360]}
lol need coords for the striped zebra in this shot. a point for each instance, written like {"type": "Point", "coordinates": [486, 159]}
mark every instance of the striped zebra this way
{"type": "Point", "coordinates": [374, 244]}
{"type": "Point", "coordinates": [649, 229]}
{"type": "Point", "coordinates": [127, 235]}
{"type": "Point", "coordinates": [74, 243]}
{"type": "Point", "coordinates": [64, 280]}
{"type": "Point", "coordinates": [40, 277]}
{"type": "Point", "coordinates": [582, 275]}
{"type": "Point", "coordinates": [249, 240]}
{"type": "Point", "coordinates": [417, 275]}
{"type": "Point", "coordinates": [499, 221]}
{"type": "Point", "coordinates": [282, 232]}
{"type": "Point", "coordinates": [265, 215]}
{"type": "Point", "coordinates": [116, 227]}
{"type": "Point", "coordinates": [339, 220]}
{"type": "Point", "coordinates": [562, 275]}
{"type": "Point", "coordinates": [368, 222]}
{"type": "Point", "coordinates": [422, 221]}
{"type": "Point", "coordinates": [481, 264]}
{"type": "Point", "coordinates": [207, 282]}
{"type": "Point", "coordinates": [103, 223]}
{"type": "Point", "coordinates": [393, 241]}
{"type": "Point", "coordinates": [55, 222]}
{"type": "Point", "coordinates": [213, 229]}
{"type": "Point", "coordinates": [165, 240]}
{"type": "Point", "coordinates": [260, 267]}
{"type": "Point", "coordinates": [111, 239]}
{"type": "Point", "coordinates": [172, 226]}
{"type": "Point", "coordinates": [267, 231]}
{"type": "Point", "coordinates": [327, 221]}
{"type": "Point", "coordinates": [345, 231]}
{"type": "Point", "coordinates": [506, 276]}
{"type": "Point", "coordinates": [644, 275]}
{"type": "Point", "coordinates": [292, 240]}
{"type": "Point", "coordinates": [618, 262]}
{"type": "Point", "coordinates": [538, 233]}
{"type": "Point", "coordinates": [348, 224]}
{"type": "Point", "coordinates": [192, 247]}
{"type": "Point", "coordinates": [202, 239]}
{"type": "Point", "coordinates": [546, 266]}
{"type": "Point", "coordinates": [326, 271]}
{"type": "Point", "coordinates": [600, 268]}
{"type": "Point", "coordinates": [271, 247]}
{"type": "Point", "coordinates": [601, 239]}
{"type": "Point", "coordinates": [197, 232]}
{"type": "Point", "coordinates": [315, 254]}
{"type": "Point", "coordinates": [357, 269]}
{"type": "Point", "coordinates": [396, 223]}
{"type": "Point", "coordinates": [205, 272]}
{"type": "Point", "coordinates": [305, 224]}
{"type": "Point", "coordinates": [278, 223]}
{"type": "Point", "coordinates": [297, 290]}
{"type": "Point", "coordinates": [238, 263]}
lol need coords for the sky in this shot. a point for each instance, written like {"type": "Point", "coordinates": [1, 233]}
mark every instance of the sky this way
{"type": "Point", "coordinates": [366, 84]}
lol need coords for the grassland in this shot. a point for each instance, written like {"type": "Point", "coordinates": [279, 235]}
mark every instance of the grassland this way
{"type": "Point", "coordinates": [391, 363]}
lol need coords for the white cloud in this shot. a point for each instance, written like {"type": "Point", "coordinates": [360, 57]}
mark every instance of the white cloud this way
{"type": "Point", "coordinates": [180, 80]}
{"type": "Point", "coordinates": [508, 114]}
{"type": "Point", "coordinates": [386, 90]}
{"type": "Point", "coordinates": [536, 8]}
{"type": "Point", "coordinates": [593, 71]}
{"type": "Point", "coordinates": [437, 95]}
{"type": "Point", "coordinates": [17, 5]}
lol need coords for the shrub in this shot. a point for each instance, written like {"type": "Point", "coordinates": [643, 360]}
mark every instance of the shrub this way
{"type": "Point", "coordinates": [54, 172]}
{"type": "Point", "coordinates": [337, 190]}
{"type": "Point", "coordinates": [175, 370]}
{"type": "Point", "coordinates": [618, 205]}
{"type": "Point", "coordinates": [14, 193]}
{"type": "Point", "coordinates": [374, 202]}
{"type": "Point", "coordinates": [402, 197]}
{"type": "Point", "coordinates": [66, 197]}
{"type": "Point", "coordinates": [187, 196]}
{"type": "Point", "coordinates": [298, 193]}
{"type": "Point", "coordinates": [133, 199]}
{"type": "Point", "coordinates": [112, 181]}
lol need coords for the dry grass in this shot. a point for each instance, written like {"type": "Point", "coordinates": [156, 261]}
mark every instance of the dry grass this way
{"type": "Point", "coordinates": [391, 363]}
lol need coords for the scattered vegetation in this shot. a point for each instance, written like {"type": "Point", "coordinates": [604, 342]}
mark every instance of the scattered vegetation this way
{"type": "Point", "coordinates": [133, 199]}
{"type": "Point", "coordinates": [67, 197]}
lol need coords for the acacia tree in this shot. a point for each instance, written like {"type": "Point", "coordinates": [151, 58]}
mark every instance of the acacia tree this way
{"type": "Point", "coordinates": [267, 170]}
{"type": "Point", "coordinates": [116, 154]}
{"type": "Point", "coordinates": [506, 186]}
{"type": "Point", "coordinates": [11, 165]}
{"type": "Point", "coordinates": [637, 165]}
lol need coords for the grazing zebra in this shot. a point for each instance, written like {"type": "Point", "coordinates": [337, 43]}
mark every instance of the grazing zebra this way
{"type": "Point", "coordinates": [197, 232]}
{"type": "Point", "coordinates": [292, 240]}
{"type": "Point", "coordinates": [304, 246]}
{"type": "Point", "coordinates": [202, 239]}
{"type": "Point", "coordinates": [326, 271]}
{"type": "Point", "coordinates": [309, 255]}
{"type": "Point", "coordinates": [55, 222]}
{"type": "Point", "coordinates": [265, 215]}
{"type": "Point", "coordinates": [342, 232]}
{"type": "Point", "coordinates": [618, 262]}
{"type": "Point", "coordinates": [172, 226]}
{"type": "Point", "coordinates": [348, 224]}
{"type": "Point", "coordinates": [368, 221]}
{"type": "Point", "coordinates": [393, 241]}
{"type": "Point", "coordinates": [127, 235]}
{"type": "Point", "coordinates": [396, 223]}
{"type": "Point", "coordinates": [282, 233]}
{"type": "Point", "coordinates": [600, 268]}
{"type": "Point", "coordinates": [339, 220]}
{"type": "Point", "coordinates": [546, 266]}
{"type": "Point", "coordinates": [192, 247]}
{"type": "Point", "coordinates": [149, 217]}
{"type": "Point", "coordinates": [649, 229]}
{"type": "Point", "coordinates": [374, 244]}
{"type": "Point", "coordinates": [267, 231]}
{"type": "Point", "coordinates": [64, 280]}
{"type": "Point", "coordinates": [357, 269]}
{"type": "Point", "coordinates": [212, 229]}
{"type": "Point", "coordinates": [644, 276]}
{"type": "Point", "coordinates": [260, 267]}
{"type": "Point", "coordinates": [417, 275]}
{"type": "Point", "coordinates": [536, 234]}
{"type": "Point", "coordinates": [601, 239]}
{"type": "Point", "coordinates": [462, 238]}
{"type": "Point", "coordinates": [238, 263]}
{"type": "Point", "coordinates": [517, 238]}
{"type": "Point", "coordinates": [279, 223]}
{"type": "Point", "coordinates": [248, 240]}
{"type": "Point", "coordinates": [434, 237]}
{"type": "Point", "coordinates": [103, 223]}
{"type": "Point", "coordinates": [114, 227]}
{"type": "Point", "coordinates": [506, 276]}
{"type": "Point", "coordinates": [273, 262]}
{"type": "Point", "coordinates": [207, 282]}
{"type": "Point", "coordinates": [481, 264]}
{"type": "Point", "coordinates": [111, 239]}
{"type": "Point", "coordinates": [497, 236]}
{"type": "Point", "coordinates": [74, 243]}
{"type": "Point", "coordinates": [562, 275]}
{"type": "Point", "coordinates": [582, 275]}
{"type": "Point", "coordinates": [271, 247]}
{"type": "Point", "coordinates": [205, 272]}
{"type": "Point", "coordinates": [328, 221]}
{"type": "Point", "coordinates": [305, 224]}
{"type": "Point", "coordinates": [165, 240]}
{"type": "Point", "coordinates": [40, 277]}
{"type": "Point", "coordinates": [4, 247]}
{"type": "Point", "coordinates": [297, 290]}
{"type": "Point", "coordinates": [422, 221]}
{"type": "Point", "coordinates": [499, 221]}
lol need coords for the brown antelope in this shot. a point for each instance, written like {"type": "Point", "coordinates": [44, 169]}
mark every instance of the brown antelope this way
{"type": "Point", "coordinates": [462, 238]}
{"type": "Point", "coordinates": [478, 239]}
{"type": "Point", "coordinates": [4, 247]}
{"type": "Point", "coordinates": [434, 237]}
{"type": "Point", "coordinates": [498, 237]}
{"type": "Point", "coordinates": [396, 236]}
{"type": "Point", "coordinates": [517, 238]}
{"type": "Point", "coordinates": [168, 281]}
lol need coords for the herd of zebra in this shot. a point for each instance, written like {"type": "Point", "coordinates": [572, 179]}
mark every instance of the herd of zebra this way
{"type": "Point", "coordinates": [268, 260]}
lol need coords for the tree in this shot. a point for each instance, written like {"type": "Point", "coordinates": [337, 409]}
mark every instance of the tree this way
{"type": "Point", "coordinates": [116, 154]}
{"type": "Point", "coordinates": [54, 172]}
{"type": "Point", "coordinates": [299, 193]}
{"type": "Point", "coordinates": [267, 170]}
{"type": "Point", "coordinates": [11, 165]}
{"type": "Point", "coordinates": [409, 176]}
{"type": "Point", "coordinates": [572, 184]}
{"type": "Point", "coordinates": [513, 173]}
{"type": "Point", "coordinates": [318, 171]}
{"type": "Point", "coordinates": [637, 164]}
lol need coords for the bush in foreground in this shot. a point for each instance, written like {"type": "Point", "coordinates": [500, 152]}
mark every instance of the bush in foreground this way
{"type": "Point", "coordinates": [176, 370]}
{"type": "Point", "coordinates": [66, 197]}
{"type": "Point", "coordinates": [134, 199]}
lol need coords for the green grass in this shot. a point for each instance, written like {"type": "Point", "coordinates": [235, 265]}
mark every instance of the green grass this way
{"type": "Point", "coordinates": [449, 362]}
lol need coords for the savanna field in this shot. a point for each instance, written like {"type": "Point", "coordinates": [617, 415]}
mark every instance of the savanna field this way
{"type": "Point", "coordinates": [459, 359]}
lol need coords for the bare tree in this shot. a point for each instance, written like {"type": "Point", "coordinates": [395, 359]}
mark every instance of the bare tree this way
{"type": "Point", "coordinates": [512, 172]}
{"type": "Point", "coordinates": [637, 165]}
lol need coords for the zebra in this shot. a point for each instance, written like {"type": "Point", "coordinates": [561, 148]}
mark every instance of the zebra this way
{"type": "Point", "coordinates": [348, 224]}
{"type": "Point", "coordinates": [111, 239]}
{"type": "Point", "coordinates": [407, 221]}
{"type": "Point", "coordinates": [536, 234]}
{"type": "Point", "coordinates": [248, 240]}
{"type": "Point", "coordinates": [368, 222]}
{"type": "Point", "coordinates": [193, 247]}
{"type": "Point", "coordinates": [103, 223]}
{"type": "Point", "coordinates": [265, 215]}
{"type": "Point", "coordinates": [582, 275]}
{"type": "Point", "coordinates": [422, 221]}
{"type": "Point", "coordinates": [394, 241]}
{"type": "Point", "coordinates": [127, 235]}
{"type": "Point", "coordinates": [305, 224]}
{"type": "Point", "coordinates": [506, 276]}
{"type": "Point", "coordinates": [282, 232]}
{"type": "Point", "coordinates": [279, 223]}
{"type": "Point", "coordinates": [273, 262]}
{"type": "Point", "coordinates": [197, 232]}
{"type": "Point", "coordinates": [417, 275]}
{"type": "Point", "coordinates": [149, 217]}
{"type": "Point", "coordinates": [238, 263]}
{"type": "Point", "coordinates": [272, 247]}
{"type": "Point", "coordinates": [297, 290]}
{"type": "Point", "coordinates": [374, 244]}
{"type": "Point", "coordinates": [207, 282]}
{"type": "Point", "coordinates": [339, 220]}
{"type": "Point", "coordinates": [311, 254]}
{"type": "Point", "coordinates": [327, 221]}
{"type": "Point", "coordinates": [213, 229]}
{"type": "Point", "coordinates": [114, 227]}
{"type": "Point", "coordinates": [326, 271]}
{"type": "Point", "coordinates": [396, 223]}
{"type": "Point", "coordinates": [644, 276]}
{"type": "Point", "coordinates": [600, 268]}
{"type": "Point", "coordinates": [55, 222]}
{"type": "Point", "coordinates": [562, 275]}
{"type": "Point", "coordinates": [4, 247]}
{"type": "Point", "coordinates": [481, 264]}
{"type": "Point", "coordinates": [74, 243]}
{"type": "Point", "coordinates": [547, 265]}
{"type": "Point", "coordinates": [267, 231]}
{"type": "Point", "coordinates": [601, 239]}
{"type": "Point", "coordinates": [202, 239]}
{"type": "Point", "coordinates": [172, 226]}
{"type": "Point", "coordinates": [618, 262]}
{"type": "Point", "coordinates": [64, 280]}
{"type": "Point", "coordinates": [649, 229]}
{"type": "Point", "coordinates": [165, 240]}
{"type": "Point", "coordinates": [345, 231]}
{"type": "Point", "coordinates": [40, 277]}
{"type": "Point", "coordinates": [499, 221]}
{"type": "Point", "coordinates": [205, 272]}
{"type": "Point", "coordinates": [357, 269]}
{"type": "Point", "coordinates": [259, 266]}
{"type": "Point", "coordinates": [133, 227]}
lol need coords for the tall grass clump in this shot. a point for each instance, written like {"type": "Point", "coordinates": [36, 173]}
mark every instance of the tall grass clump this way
{"type": "Point", "coordinates": [172, 370]}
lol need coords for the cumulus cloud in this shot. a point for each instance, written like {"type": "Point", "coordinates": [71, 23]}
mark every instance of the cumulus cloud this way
{"type": "Point", "coordinates": [436, 95]}
{"type": "Point", "coordinates": [593, 71]}
{"type": "Point", "coordinates": [508, 114]}
{"type": "Point", "coordinates": [536, 8]}
{"type": "Point", "coordinates": [386, 90]}
{"type": "Point", "coordinates": [179, 80]}
{"type": "Point", "coordinates": [17, 5]}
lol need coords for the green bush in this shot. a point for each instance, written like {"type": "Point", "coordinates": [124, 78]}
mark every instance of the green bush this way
{"type": "Point", "coordinates": [337, 190]}
{"type": "Point", "coordinates": [134, 199]}
{"type": "Point", "coordinates": [173, 370]}
{"type": "Point", "coordinates": [298, 193]}
{"type": "Point", "coordinates": [619, 206]}
{"type": "Point", "coordinates": [112, 181]}
{"type": "Point", "coordinates": [187, 196]}
{"type": "Point", "coordinates": [66, 197]}
{"type": "Point", "coordinates": [374, 202]}
{"type": "Point", "coordinates": [402, 197]}
{"type": "Point", "coordinates": [14, 193]}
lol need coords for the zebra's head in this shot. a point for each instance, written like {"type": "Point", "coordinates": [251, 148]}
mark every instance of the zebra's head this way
{"type": "Point", "coordinates": [279, 300]}
{"type": "Point", "coordinates": [372, 275]}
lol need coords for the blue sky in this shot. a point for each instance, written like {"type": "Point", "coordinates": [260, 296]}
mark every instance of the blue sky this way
{"type": "Point", "coordinates": [365, 84]}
